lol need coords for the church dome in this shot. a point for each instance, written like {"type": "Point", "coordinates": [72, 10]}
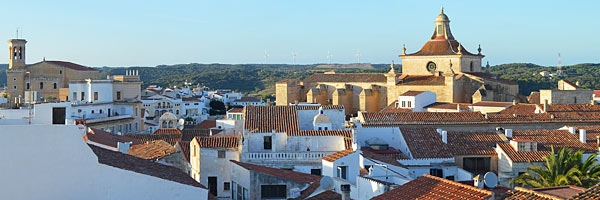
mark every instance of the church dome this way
{"type": "Point", "coordinates": [168, 116]}
{"type": "Point", "coordinates": [321, 117]}
{"type": "Point", "coordinates": [442, 17]}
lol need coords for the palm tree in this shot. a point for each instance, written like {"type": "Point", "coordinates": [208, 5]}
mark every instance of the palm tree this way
{"type": "Point", "coordinates": [589, 171]}
{"type": "Point", "coordinates": [561, 168]}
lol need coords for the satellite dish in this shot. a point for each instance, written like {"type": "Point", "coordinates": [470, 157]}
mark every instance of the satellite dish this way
{"type": "Point", "coordinates": [327, 183]}
{"type": "Point", "coordinates": [490, 179]}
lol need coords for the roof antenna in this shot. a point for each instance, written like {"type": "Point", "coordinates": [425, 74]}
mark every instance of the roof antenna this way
{"type": "Point", "coordinates": [17, 32]}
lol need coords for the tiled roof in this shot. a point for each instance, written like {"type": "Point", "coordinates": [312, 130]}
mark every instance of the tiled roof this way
{"type": "Point", "coordinates": [167, 131]}
{"type": "Point", "coordinates": [489, 77]}
{"type": "Point", "coordinates": [236, 110]}
{"type": "Point", "coordinates": [268, 118]}
{"type": "Point", "coordinates": [392, 108]}
{"type": "Point", "coordinates": [557, 138]}
{"type": "Point", "coordinates": [347, 77]}
{"type": "Point", "coordinates": [521, 108]}
{"type": "Point", "coordinates": [143, 166]}
{"type": "Point", "coordinates": [71, 65]}
{"type": "Point", "coordinates": [386, 158]}
{"type": "Point", "coordinates": [431, 187]}
{"type": "Point", "coordinates": [425, 143]}
{"type": "Point", "coordinates": [493, 104]}
{"type": "Point", "coordinates": [592, 132]}
{"type": "Point", "coordinates": [561, 191]}
{"type": "Point", "coordinates": [196, 98]}
{"type": "Point", "coordinates": [590, 193]}
{"type": "Point", "coordinates": [144, 138]}
{"type": "Point", "coordinates": [287, 174]}
{"type": "Point", "coordinates": [522, 156]}
{"type": "Point", "coordinates": [449, 106]}
{"type": "Point", "coordinates": [316, 107]}
{"type": "Point", "coordinates": [534, 98]}
{"type": "Point", "coordinates": [473, 143]}
{"type": "Point", "coordinates": [189, 134]}
{"type": "Point", "coordinates": [153, 150]}
{"type": "Point", "coordinates": [519, 193]}
{"type": "Point", "coordinates": [406, 79]}
{"type": "Point", "coordinates": [209, 123]}
{"type": "Point", "coordinates": [440, 47]}
{"type": "Point", "coordinates": [337, 155]}
{"type": "Point", "coordinates": [327, 195]}
{"type": "Point", "coordinates": [219, 141]}
{"type": "Point", "coordinates": [411, 93]}
{"type": "Point", "coordinates": [596, 93]}
{"type": "Point", "coordinates": [344, 133]}
{"type": "Point", "coordinates": [108, 139]}
{"type": "Point", "coordinates": [184, 147]}
{"type": "Point", "coordinates": [573, 108]}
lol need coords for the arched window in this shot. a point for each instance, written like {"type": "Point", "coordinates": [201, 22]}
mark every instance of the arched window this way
{"type": "Point", "coordinates": [164, 124]}
{"type": "Point", "coordinates": [471, 66]}
{"type": "Point", "coordinates": [170, 124]}
{"type": "Point", "coordinates": [55, 86]}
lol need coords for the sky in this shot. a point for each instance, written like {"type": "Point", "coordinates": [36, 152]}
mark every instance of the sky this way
{"type": "Point", "coordinates": [148, 33]}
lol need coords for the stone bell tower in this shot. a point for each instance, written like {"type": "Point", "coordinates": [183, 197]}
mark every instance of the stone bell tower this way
{"type": "Point", "coordinates": [17, 53]}
{"type": "Point", "coordinates": [15, 74]}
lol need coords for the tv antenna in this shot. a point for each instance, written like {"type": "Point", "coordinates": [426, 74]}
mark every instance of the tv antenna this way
{"type": "Point", "coordinates": [294, 56]}
{"type": "Point", "coordinates": [358, 56]}
{"type": "Point", "coordinates": [17, 32]}
{"type": "Point", "coordinates": [329, 56]}
{"type": "Point", "coordinates": [559, 70]}
{"type": "Point", "coordinates": [266, 56]}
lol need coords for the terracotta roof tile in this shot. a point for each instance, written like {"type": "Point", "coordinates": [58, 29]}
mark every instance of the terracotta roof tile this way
{"type": "Point", "coordinates": [519, 193]}
{"type": "Point", "coordinates": [561, 191]}
{"type": "Point", "coordinates": [143, 166]}
{"type": "Point", "coordinates": [386, 158]}
{"type": "Point", "coordinates": [268, 118]}
{"type": "Point", "coordinates": [473, 143]}
{"type": "Point", "coordinates": [287, 174]}
{"type": "Point", "coordinates": [449, 106]}
{"type": "Point", "coordinates": [392, 108]}
{"type": "Point", "coordinates": [327, 195]}
{"type": "Point", "coordinates": [431, 187]}
{"type": "Point", "coordinates": [596, 93]}
{"type": "Point", "coordinates": [493, 104]}
{"type": "Point", "coordinates": [592, 193]}
{"type": "Point", "coordinates": [145, 138]}
{"type": "Point", "coordinates": [108, 139]}
{"type": "Point", "coordinates": [189, 134]}
{"type": "Point", "coordinates": [521, 108]}
{"type": "Point", "coordinates": [236, 110]}
{"type": "Point", "coordinates": [557, 138]}
{"type": "Point", "coordinates": [425, 143]}
{"type": "Point", "coordinates": [411, 93]}
{"type": "Point", "coordinates": [219, 141]}
{"type": "Point", "coordinates": [154, 150]}
{"type": "Point", "coordinates": [523, 156]}
{"type": "Point", "coordinates": [406, 79]}
{"type": "Point", "coordinates": [337, 155]}
{"type": "Point", "coordinates": [440, 47]}
{"type": "Point", "coordinates": [347, 77]}
{"type": "Point", "coordinates": [534, 98]}
{"type": "Point", "coordinates": [207, 124]}
{"type": "Point", "coordinates": [184, 147]}
{"type": "Point", "coordinates": [167, 131]}
{"type": "Point", "coordinates": [573, 108]}
{"type": "Point", "coordinates": [71, 65]}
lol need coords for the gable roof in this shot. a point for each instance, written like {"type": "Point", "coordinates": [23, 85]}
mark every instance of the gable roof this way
{"type": "Point", "coordinates": [520, 108]}
{"type": "Point", "coordinates": [287, 174]}
{"type": "Point", "coordinates": [167, 131]}
{"type": "Point", "coordinates": [337, 155]}
{"type": "Point", "coordinates": [557, 138]}
{"type": "Point", "coordinates": [187, 134]}
{"type": "Point", "coordinates": [448, 106]}
{"type": "Point", "coordinates": [392, 108]}
{"type": "Point", "coordinates": [522, 156]}
{"type": "Point", "coordinates": [143, 166]}
{"type": "Point", "coordinates": [184, 147]}
{"type": "Point", "coordinates": [209, 123]}
{"type": "Point", "coordinates": [154, 150]}
{"type": "Point", "coordinates": [425, 143]}
{"type": "Point", "coordinates": [219, 141]}
{"type": "Point", "coordinates": [431, 187]}
{"type": "Point", "coordinates": [264, 119]}
{"type": "Point", "coordinates": [405, 79]}
{"type": "Point", "coordinates": [590, 193]}
{"type": "Point", "coordinates": [473, 143]}
{"type": "Point", "coordinates": [411, 93]}
{"type": "Point", "coordinates": [108, 139]}
{"type": "Point", "coordinates": [70, 65]}
{"type": "Point", "coordinates": [534, 98]}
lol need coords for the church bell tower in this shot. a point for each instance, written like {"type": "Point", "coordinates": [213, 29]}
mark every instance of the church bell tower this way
{"type": "Point", "coordinates": [17, 53]}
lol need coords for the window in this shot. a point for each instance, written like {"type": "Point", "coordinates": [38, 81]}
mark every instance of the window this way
{"type": "Point", "coordinates": [476, 166]}
{"type": "Point", "coordinates": [82, 96]}
{"type": "Point", "coordinates": [450, 178]}
{"type": "Point", "coordinates": [342, 171]}
{"type": "Point", "coordinates": [15, 87]}
{"type": "Point", "coordinates": [273, 192]}
{"type": "Point", "coordinates": [471, 66]}
{"type": "Point", "coordinates": [315, 172]}
{"type": "Point", "coordinates": [14, 79]}
{"type": "Point", "coordinates": [267, 142]}
{"type": "Point", "coordinates": [27, 86]}
{"type": "Point", "coordinates": [92, 111]}
{"type": "Point", "coordinates": [325, 128]}
{"type": "Point", "coordinates": [221, 154]}
{"type": "Point", "coordinates": [120, 128]}
{"type": "Point", "coordinates": [170, 124]}
{"type": "Point", "coordinates": [403, 104]}
{"type": "Point", "coordinates": [409, 104]}
{"type": "Point", "coordinates": [164, 124]}
{"type": "Point", "coordinates": [368, 167]}
{"type": "Point", "coordinates": [195, 104]}
{"type": "Point", "coordinates": [41, 85]}
{"type": "Point", "coordinates": [74, 95]}
{"type": "Point", "coordinates": [194, 152]}
{"type": "Point", "coordinates": [54, 85]}
{"type": "Point", "coordinates": [60, 72]}
{"type": "Point", "coordinates": [226, 185]}
{"type": "Point", "coordinates": [176, 112]}
{"type": "Point", "coordinates": [319, 128]}
{"type": "Point", "coordinates": [118, 95]}
{"type": "Point", "coordinates": [95, 96]}
{"type": "Point", "coordinates": [436, 172]}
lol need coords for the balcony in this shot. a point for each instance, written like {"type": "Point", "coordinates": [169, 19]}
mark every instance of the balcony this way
{"type": "Point", "coordinates": [308, 156]}
{"type": "Point", "coordinates": [163, 107]}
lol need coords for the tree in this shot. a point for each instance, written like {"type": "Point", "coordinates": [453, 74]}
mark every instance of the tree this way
{"type": "Point", "coordinates": [216, 108]}
{"type": "Point", "coordinates": [589, 171]}
{"type": "Point", "coordinates": [562, 168]}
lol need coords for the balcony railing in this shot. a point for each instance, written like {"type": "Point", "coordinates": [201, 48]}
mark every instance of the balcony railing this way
{"type": "Point", "coordinates": [309, 156]}
{"type": "Point", "coordinates": [163, 107]}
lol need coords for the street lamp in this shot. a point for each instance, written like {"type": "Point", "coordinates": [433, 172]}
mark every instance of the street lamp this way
{"type": "Point", "coordinates": [30, 95]}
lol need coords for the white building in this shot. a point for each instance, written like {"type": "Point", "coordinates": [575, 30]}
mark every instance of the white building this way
{"type": "Point", "coordinates": [416, 100]}
{"type": "Point", "coordinates": [210, 160]}
{"type": "Point", "coordinates": [248, 101]}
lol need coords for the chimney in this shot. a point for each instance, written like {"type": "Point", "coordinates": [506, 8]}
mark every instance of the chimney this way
{"type": "Point", "coordinates": [508, 132]}
{"type": "Point", "coordinates": [345, 191]}
{"type": "Point", "coordinates": [572, 130]}
{"type": "Point", "coordinates": [478, 182]}
{"type": "Point", "coordinates": [514, 101]}
{"type": "Point", "coordinates": [457, 107]}
{"type": "Point", "coordinates": [582, 135]}
{"type": "Point", "coordinates": [445, 137]}
{"type": "Point", "coordinates": [545, 105]}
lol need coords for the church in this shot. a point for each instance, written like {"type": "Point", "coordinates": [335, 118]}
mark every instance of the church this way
{"type": "Point", "coordinates": [442, 66]}
{"type": "Point", "coordinates": [47, 80]}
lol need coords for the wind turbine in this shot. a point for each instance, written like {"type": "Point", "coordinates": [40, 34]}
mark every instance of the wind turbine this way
{"type": "Point", "coordinates": [266, 56]}
{"type": "Point", "coordinates": [358, 56]}
{"type": "Point", "coordinates": [294, 56]}
{"type": "Point", "coordinates": [329, 56]}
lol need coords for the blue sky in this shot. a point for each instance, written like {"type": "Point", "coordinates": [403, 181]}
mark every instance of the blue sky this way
{"type": "Point", "coordinates": [149, 33]}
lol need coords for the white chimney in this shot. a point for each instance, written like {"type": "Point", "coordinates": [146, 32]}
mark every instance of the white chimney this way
{"type": "Point", "coordinates": [572, 130]}
{"type": "Point", "coordinates": [508, 133]}
{"type": "Point", "coordinates": [439, 131]}
{"type": "Point", "coordinates": [457, 107]}
{"type": "Point", "coordinates": [582, 135]}
{"type": "Point", "coordinates": [445, 137]}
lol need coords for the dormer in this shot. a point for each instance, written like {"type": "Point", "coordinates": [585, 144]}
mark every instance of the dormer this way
{"type": "Point", "coordinates": [521, 145]}
{"type": "Point", "coordinates": [321, 121]}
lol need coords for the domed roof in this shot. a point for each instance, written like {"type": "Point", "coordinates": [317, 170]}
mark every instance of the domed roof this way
{"type": "Point", "coordinates": [321, 117]}
{"type": "Point", "coordinates": [168, 116]}
{"type": "Point", "coordinates": [442, 17]}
